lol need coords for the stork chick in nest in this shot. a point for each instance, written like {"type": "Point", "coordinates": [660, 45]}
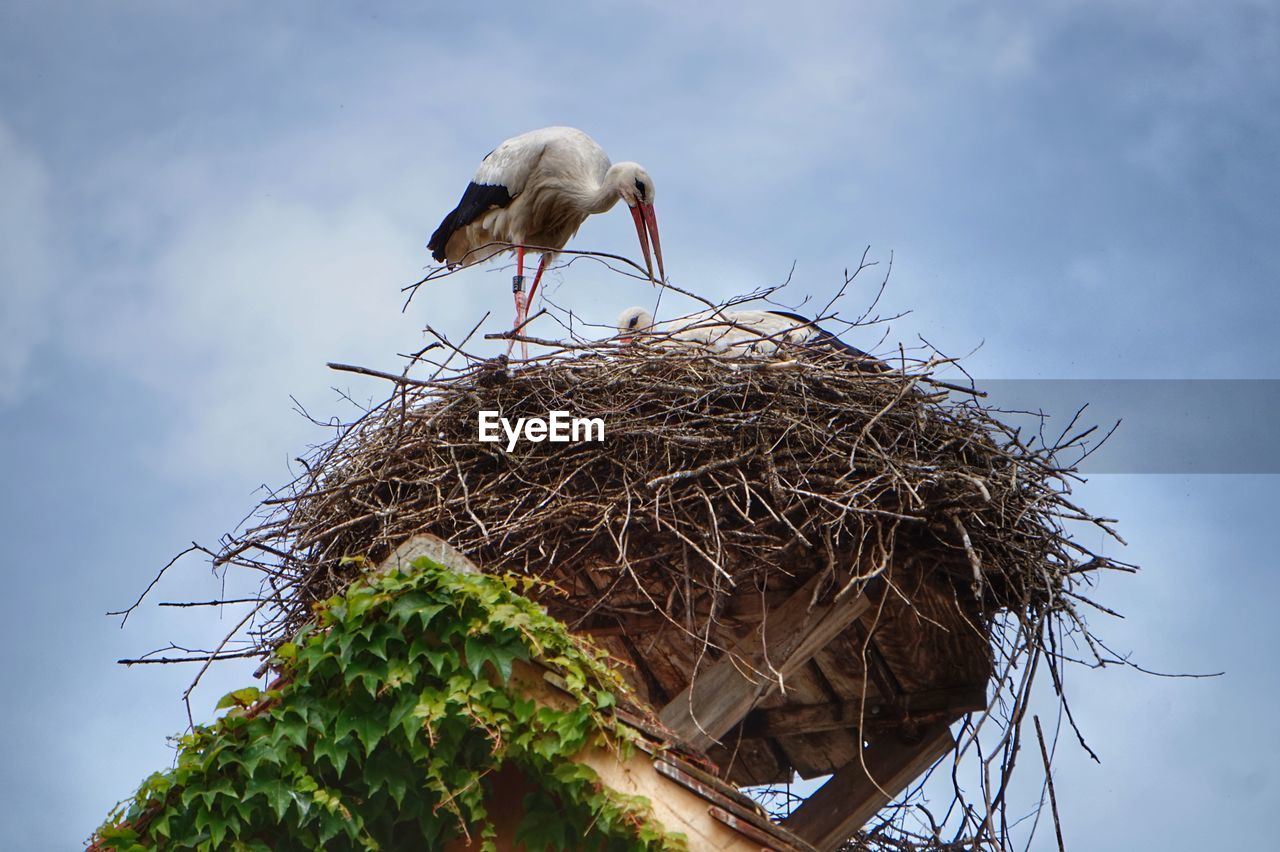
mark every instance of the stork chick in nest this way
{"type": "Point", "coordinates": [748, 332]}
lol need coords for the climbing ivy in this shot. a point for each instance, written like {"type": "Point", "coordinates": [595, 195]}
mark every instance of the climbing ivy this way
{"type": "Point", "coordinates": [393, 710]}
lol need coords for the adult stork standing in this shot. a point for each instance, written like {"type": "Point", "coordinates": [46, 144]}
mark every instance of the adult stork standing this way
{"type": "Point", "coordinates": [534, 191]}
{"type": "Point", "coordinates": [739, 332]}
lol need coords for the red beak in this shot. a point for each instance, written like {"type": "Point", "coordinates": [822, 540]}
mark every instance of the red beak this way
{"type": "Point", "coordinates": [646, 227]}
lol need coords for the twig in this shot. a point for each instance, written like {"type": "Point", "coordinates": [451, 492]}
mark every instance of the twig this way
{"type": "Point", "coordinates": [1048, 779]}
{"type": "Point", "coordinates": [126, 612]}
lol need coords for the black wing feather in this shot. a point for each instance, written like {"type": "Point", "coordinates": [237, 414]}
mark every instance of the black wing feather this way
{"type": "Point", "coordinates": [476, 201]}
{"type": "Point", "coordinates": [822, 337]}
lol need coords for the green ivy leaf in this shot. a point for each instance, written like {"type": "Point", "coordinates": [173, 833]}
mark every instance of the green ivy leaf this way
{"type": "Point", "coordinates": [370, 729]}
{"type": "Point", "coordinates": [415, 606]}
{"type": "Point", "coordinates": [335, 750]}
{"type": "Point", "coordinates": [440, 658]}
{"type": "Point", "coordinates": [245, 697]}
{"type": "Point", "coordinates": [294, 729]}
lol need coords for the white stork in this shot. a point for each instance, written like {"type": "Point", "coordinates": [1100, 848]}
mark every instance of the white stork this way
{"type": "Point", "coordinates": [739, 332]}
{"type": "Point", "coordinates": [535, 190]}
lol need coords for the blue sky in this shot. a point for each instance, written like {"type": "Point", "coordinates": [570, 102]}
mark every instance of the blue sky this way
{"type": "Point", "coordinates": [204, 203]}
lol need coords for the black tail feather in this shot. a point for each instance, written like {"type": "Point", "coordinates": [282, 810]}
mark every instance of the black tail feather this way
{"type": "Point", "coordinates": [822, 337]}
{"type": "Point", "coordinates": [478, 199]}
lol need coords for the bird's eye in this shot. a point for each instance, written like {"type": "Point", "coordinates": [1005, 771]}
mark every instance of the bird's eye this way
{"type": "Point", "coordinates": [640, 189]}
{"type": "Point", "coordinates": [631, 323]}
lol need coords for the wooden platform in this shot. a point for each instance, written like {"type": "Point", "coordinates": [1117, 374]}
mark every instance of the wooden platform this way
{"type": "Point", "coordinates": [862, 686]}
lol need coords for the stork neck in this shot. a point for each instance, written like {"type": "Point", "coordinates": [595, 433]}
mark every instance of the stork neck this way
{"type": "Point", "coordinates": [606, 194]}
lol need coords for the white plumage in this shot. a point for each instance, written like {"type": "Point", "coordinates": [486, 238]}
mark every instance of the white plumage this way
{"type": "Point", "coordinates": [534, 191]}
{"type": "Point", "coordinates": [736, 332]}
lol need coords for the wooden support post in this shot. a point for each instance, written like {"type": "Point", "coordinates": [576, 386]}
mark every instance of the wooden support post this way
{"type": "Point", "coordinates": [853, 795]}
{"type": "Point", "coordinates": [722, 694]}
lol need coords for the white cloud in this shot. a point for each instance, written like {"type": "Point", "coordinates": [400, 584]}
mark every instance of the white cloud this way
{"type": "Point", "coordinates": [244, 307]}
{"type": "Point", "coordinates": [26, 260]}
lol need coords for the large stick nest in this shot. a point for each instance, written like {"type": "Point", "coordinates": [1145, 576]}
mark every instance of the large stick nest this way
{"type": "Point", "coordinates": [715, 471]}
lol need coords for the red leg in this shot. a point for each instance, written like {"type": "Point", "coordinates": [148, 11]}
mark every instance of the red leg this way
{"type": "Point", "coordinates": [522, 309]}
{"type": "Point", "coordinates": [517, 293]}
{"type": "Point", "coordinates": [537, 276]}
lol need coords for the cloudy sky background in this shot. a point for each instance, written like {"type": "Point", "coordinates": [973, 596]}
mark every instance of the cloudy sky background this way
{"type": "Point", "coordinates": [201, 204]}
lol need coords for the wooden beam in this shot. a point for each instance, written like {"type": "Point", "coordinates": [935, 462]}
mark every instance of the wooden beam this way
{"type": "Point", "coordinates": [734, 809]}
{"type": "Point", "coordinates": [723, 693]}
{"type": "Point", "coordinates": [854, 794]}
{"type": "Point", "coordinates": [872, 714]}
{"type": "Point", "coordinates": [877, 667]}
